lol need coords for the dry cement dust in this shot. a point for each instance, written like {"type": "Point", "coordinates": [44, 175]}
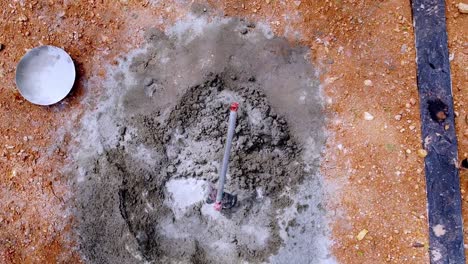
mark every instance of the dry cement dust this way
{"type": "Point", "coordinates": [147, 154]}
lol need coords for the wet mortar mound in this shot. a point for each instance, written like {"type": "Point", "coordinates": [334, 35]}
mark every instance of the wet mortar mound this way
{"type": "Point", "coordinates": [149, 153]}
{"type": "Point", "coordinates": [263, 150]}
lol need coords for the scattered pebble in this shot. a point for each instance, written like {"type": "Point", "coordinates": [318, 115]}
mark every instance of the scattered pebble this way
{"type": "Point", "coordinates": [61, 14]}
{"type": "Point", "coordinates": [413, 101]}
{"type": "Point", "coordinates": [441, 116]}
{"type": "Point", "coordinates": [13, 174]}
{"type": "Point", "coordinates": [422, 153]}
{"type": "Point", "coordinates": [412, 127]}
{"type": "Point", "coordinates": [451, 56]}
{"type": "Point", "coordinates": [463, 8]}
{"type": "Point", "coordinates": [171, 169]}
{"type": "Point", "coordinates": [447, 127]}
{"type": "Point", "coordinates": [22, 18]}
{"type": "Point", "coordinates": [418, 245]}
{"type": "Point", "coordinates": [362, 234]}
{"type": "Point", "coordinates": [244, 31]}
{"type": "Point", "coordinates": [404, 48]}
{"type": "Point", "coordinates": [408, 151]}
{"type": "Point", "coordinates": [331, 80]}
{"type": "Point", "coordinates": [368, 83]}
{"type": "Point", "coordinates": [398, 117]}
{"type": "Point", "coordinates": [368, 116]}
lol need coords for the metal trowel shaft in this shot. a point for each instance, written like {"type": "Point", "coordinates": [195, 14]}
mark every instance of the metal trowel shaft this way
{"type": "Point", "coordinates": [227, 152]}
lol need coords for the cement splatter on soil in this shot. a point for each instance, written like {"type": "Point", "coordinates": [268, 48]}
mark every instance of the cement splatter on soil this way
{"type": "Point", "coordinates": [149, 151]}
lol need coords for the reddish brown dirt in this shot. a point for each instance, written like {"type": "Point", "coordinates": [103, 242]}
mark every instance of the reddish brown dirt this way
{"type": "Point", "coordinates": [372, 166]}
{"type": "Point", "coordinates": [34, 218]}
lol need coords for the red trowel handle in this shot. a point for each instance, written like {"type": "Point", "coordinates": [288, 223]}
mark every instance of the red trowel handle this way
{"type": "Point", "coordinates": [234, 106]}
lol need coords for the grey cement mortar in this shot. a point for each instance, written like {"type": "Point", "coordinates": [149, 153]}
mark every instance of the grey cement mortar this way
{"type": "Point", "coordinates": [145, 156]}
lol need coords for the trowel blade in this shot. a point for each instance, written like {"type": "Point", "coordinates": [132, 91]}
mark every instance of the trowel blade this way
{"type": "Point", "coordinates": [228, 201]}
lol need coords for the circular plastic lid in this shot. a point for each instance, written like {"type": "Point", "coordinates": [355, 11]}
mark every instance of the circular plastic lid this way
{"type": "Point", "coordinates": [45, 75]}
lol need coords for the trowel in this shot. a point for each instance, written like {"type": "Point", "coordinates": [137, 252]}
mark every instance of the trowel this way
{"type": "Point", "coordinates": [221, 199]}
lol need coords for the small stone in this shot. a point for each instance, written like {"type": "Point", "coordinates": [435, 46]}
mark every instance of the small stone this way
{"type": "Point", "coordinates": [362, 234]}
{"type": "Point", "coordinates": [61, 14]}
{"type": "Point", "coordinates": [463, 8]}
{"type": "Point", "coordinates": [446, 127]}
{"type": "Point", "coordinates": [418, 245]}
{"type": "Point", "coordinates": [441, 116]}
{"type": "Point", "coordinates": [368, 116]}
{"type": "Point", "coordinates": [451, 56]}
{"type": "Point", "coordinates": [404, 48]}
{"type": "Point", "coordinates": [22, 18]}
{"type": "Point", "coordinates": [171, 169]}
{"type": "Point", "coordinates": [422, 153]}
{"type": "Point", "coordinates": [408, 151]}
{"type": "Point", "coordinates": [368, 83]}
{"type": "Point", "coordinates": [244, 31]}
{"type": "Point", "coordinates": [412, 127]}
{"type": "Point", "coordinates": [412, 101]}
{"type": "Point", "coordinates": [331, 80]}
{"type": "Point", "coordinates": [398, 117]}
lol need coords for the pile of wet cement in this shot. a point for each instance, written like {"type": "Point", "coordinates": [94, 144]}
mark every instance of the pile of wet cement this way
{"type": "Point", "coordinates": [140, 191]}
{"type": "Point", "coordinates": [194, 137]}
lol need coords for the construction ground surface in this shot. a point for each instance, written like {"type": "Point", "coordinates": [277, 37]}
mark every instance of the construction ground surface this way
{"type": "Point", "coordinates": [371, 169]}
